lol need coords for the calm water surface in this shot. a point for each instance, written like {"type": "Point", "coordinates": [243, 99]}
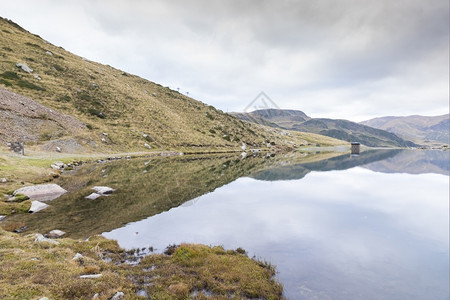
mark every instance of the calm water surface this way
{"type": "Point", "coordinates": [346, 228]}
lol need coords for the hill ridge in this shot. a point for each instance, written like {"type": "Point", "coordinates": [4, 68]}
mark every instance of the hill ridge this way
{"type": "Point", "coordinates": [337, 128]}
{"type": "Point", "coordinates": [122, 112]}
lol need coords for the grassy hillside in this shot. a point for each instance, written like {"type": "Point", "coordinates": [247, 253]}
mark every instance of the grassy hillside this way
{"type": "Point", "coordinates": [339, 129]}
{"type": "Point", "coordinates": [121, 112]}
{"type": "Point", "coordinates": [420, 129]}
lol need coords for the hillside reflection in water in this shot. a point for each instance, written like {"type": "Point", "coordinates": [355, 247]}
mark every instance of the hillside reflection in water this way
{"type": "Point", "coordinates": [335, 229]}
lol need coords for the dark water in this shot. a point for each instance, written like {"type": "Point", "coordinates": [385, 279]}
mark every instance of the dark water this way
{"type": "Point", "coordinates": [374, 226]}
{"type": "Point", "coordinates": [367, 227]}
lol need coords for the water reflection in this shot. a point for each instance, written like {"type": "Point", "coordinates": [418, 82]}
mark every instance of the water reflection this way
{"type": "Point", "coordinates": [346, 234]}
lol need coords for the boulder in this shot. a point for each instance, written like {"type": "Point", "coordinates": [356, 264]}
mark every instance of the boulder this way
{"type": "Point", "coordinates": [24, 67]}
{"type": "Point", "coordinates": [93, 196]}
{"type": "Point", "coordinates": [78, 256]}
{"type": "Point", "coordinates": [118, 296]}
{"type": "Point", "coordinates": [91, 276]}
{"type": "Point", "coordinates": [56, 233]}
{"type": "Point", "coordinates": [103, 190]}
{"type": "Point", "coordinates": [40, 238]}
{"type": "Point", "coordinates": [42, 192]}
{"type": "Point", "coordinates": [37, 206]}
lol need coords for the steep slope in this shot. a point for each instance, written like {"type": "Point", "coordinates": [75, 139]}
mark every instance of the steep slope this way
{"type": "Point", "coordinates": [121, 112]}
{"type": "Point", "coordinates": [420, 129]}
{"type": "Point", "coordinates": [340, 129]}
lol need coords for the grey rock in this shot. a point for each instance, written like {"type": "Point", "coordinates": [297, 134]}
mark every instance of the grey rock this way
{"type": "Point", "coordinates": [77, 256]}
{"type": "Point", "coordinates": [42, 192]}
{"type": "Point", "coordinates": [37, 206]}
{"type": "Point", "coordinates": [56, 233]}
{"type": "Point", "coordinates": [118, 296]}
{"type": "Point", "coordinates": [93, 196]}
{"type": "Point", "coordinates": [90, 276]}
{"type": "Point", "coordinates": [40, 238]}
{"type": "Point", "coordinates": [103, 190]}
{"type": "Point", "coordinates": [154, 94]}
{"type": "Point", "coordinates": [2, 217]}
{"type": "Point", "coordinates": [24, 67]}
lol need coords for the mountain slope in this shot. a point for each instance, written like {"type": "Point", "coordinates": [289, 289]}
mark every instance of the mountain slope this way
{"type": "Point", "coordinates": [420, 129]}
{"type": "Point", "coordinates": [340, 129]}
{"type": "Point", "coordinates": [121, 112]}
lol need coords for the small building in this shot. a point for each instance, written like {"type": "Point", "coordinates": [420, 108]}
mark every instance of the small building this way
{"type": "Point", "coordinates": [355, 147]}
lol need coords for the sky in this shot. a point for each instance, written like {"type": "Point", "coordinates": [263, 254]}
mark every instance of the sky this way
{"type": "Point", "coordinates": [348, 59]}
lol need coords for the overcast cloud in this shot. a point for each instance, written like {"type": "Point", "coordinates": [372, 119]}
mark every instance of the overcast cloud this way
{"type": "Point", "coordinates": [353, 59]}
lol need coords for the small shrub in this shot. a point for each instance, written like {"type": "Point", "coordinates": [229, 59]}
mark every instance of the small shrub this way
{"type": "Point", "coordinates": [58, 68]}
{"type": "Point", "coordinates": [5, 82]}
{"type": "Point", "coordinates": [209, 116]}
{"type": "Point", "coordinates": [10, 75]}
{"type": "Point", "coordinates": [64, 98]}
{"type": "Point", "coordinates": [29, 85]}
{"type": "Point", "coordinates": [33, 45]}
{"type": "Point", "coordinates": [89, 126]}
{"type": "Point", "coordinates": [96, 113]}
{"type": "Point", "coordinates": [212, 131]}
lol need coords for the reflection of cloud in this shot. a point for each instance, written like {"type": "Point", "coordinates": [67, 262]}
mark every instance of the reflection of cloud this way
{"type": "Point", "coordinates": [332, 229]}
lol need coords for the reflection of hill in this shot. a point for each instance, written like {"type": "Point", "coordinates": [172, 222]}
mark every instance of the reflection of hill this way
{"type": "Point", "coordinates": [143, 188]}
{"type": "Point", "coordinates": [341, 162]}
{"type": "Point", "coordinates": [414, 162]}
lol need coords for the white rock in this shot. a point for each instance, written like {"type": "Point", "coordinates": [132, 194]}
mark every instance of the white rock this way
{"type": "Point", "coordinates": [105, 134]}
{"type": "Point", "coordinates": [118, 296]}
{"type": "Point", "coordinates": [2, 217]}
{"type": "Point", "coordinates": [55, 167]}
{"type": "Point", "coordinates": [40, 238]}
{"type": "Point", "coordinates": [24, 67]}
{"type": "Point", "coordinates": [42, 192]}
{"type": "Point", "coordinates": [90, 276]}
{"type": "Point", "coordinates": [103, 140]}
{"type": "Point", "coordinates": [58, 149]}
{"type": "Point", "coordinates": [145, 135]}
{"type": "Point", "coordinates": [37, 206]}
{"type": "Point", "coordinates": [49, 53]}
{"type": "Point", "coordinates": [3, 180]}
{"type": "Point", "coordinates": [37, 76]}
{"type": "Point", "coordinates": [77, 256]}
{"type": "Point", "coordinates": [44, 298]}
{"type": "Point", "coordinates": [103, 190]}
{"type": "Point", "coordinates": [244, 146]}
{"type": "Point", "coordinates": [56, 233]}
{"type": "Point", "coordinates": [243, 155]}
{"type": "Point", "coordinates": [147, 146]}
{"type": "Point", "coordinates": [93, 196]}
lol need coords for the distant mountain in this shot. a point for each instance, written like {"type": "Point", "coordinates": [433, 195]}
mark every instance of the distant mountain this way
{"type": "Point", "coordinates": [420, 129]}
{"type": "Point", "coordinates": [340, 129]}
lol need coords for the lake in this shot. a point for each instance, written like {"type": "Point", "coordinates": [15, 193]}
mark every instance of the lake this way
{"type": "Point", "coordinates": [373, 226]}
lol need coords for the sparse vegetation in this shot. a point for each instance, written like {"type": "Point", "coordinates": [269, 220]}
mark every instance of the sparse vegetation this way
{"type": "Point", "coordinates": [43, 269]}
